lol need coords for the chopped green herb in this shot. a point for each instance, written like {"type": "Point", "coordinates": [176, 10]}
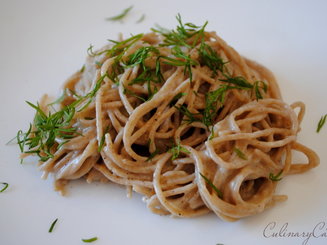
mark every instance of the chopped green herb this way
{"type": "Point", "coordinates": [152, 155]}
{"type": "Point", "coordinates": [238, 81]}
{"type": "Point", "coordinates": [176, 151]}
{"type": "Point", "coordinates": [90, 239]}
{"type": "Point", "coordinates": [219, 193]}
{"type": "Point", "coordinates": [101, 144]}
{"type": "Point", "coordinates": [141, 18]}
{"type": "Point", "coordinates": [257, 88]}
{"type": "Point", "coordinates": [240, 154]}
{"type": "Point", "coordinates": [276, 177]}
{"type": "Point", "coordinates": [176, 98]}
{"type": "Point", "coordinates": [183, 34]}
{"type": "Point", "coordinates": [42, 138]}
{"type": "Point", "coordinates": [151, 92]}
{"type": "Point", "coordinates": [210, 58]}
{"type": "Point", "coordinates": [5, 186]}
{"type": "Point", "coordinates": [82, 69]}
{"type": "Point", "coordinates": [53, 225]}
{"type": "Point", "coordinates": [120, 16]}
{"type": "Point", "coordinates": [182, 60]}
{"type": "Point", "coordinates": [140, 55]}
{"type": "Point", "coordinates": [321, 123]}
{"type": "Point", "coordinates": [130, 92]}
{"type": "Point", "coordinates": [214, 100]}
{"type": "Point", "coordinates": [190, 116]}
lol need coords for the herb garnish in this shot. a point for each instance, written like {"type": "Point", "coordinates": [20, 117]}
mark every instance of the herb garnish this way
{"type": "Point", "coordinates": [90, 239]}
{"type": "Point", "coordinates": [152, 155]}
{"type": "Point", "coordinates": [120, 16]}
{"type": "Point", "coordinates": [210, 58]}
{"type": "Point", "coordinates": [276, 177]}
{"type": "Point", "coordinates": [182, 35]}
{"type": "Point", "coordinates": [240, 154]}
{"type": "Point", "coordinates": [52, 225]}
{"type": "Point", "coordinates": [321, 123]}
{"type": "Point", "coordinates": [41, 139]}
{"type": "Point", "coordinates": [5, 186]}
{"type": "Point", "coordinates": [176, 98]}
{"type": "Point", "coordinates": [130, 92]}
{"type": "Point", "coordinates": [141, 18]}
{"type": "Point", "coordinates": [219, 193]}
{"type": "Point", "coordinates": [176, 150]}
{"type": "Point", "coordinates": [101, 144]}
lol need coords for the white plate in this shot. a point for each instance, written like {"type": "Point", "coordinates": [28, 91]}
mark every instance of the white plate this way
{"type": "Point", "coordinates": [43, 42]}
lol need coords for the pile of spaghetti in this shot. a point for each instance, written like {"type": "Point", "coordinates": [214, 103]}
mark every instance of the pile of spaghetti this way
{"type": "Point", "coordinates": [177, 116]}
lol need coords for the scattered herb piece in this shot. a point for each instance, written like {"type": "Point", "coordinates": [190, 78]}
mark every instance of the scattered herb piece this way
{"type": "Point", "coordinates": [90, 239]}
{"type": "Point", "coordinates": [182, 60]}
{"type": "Point", "coordinates": [140, 55]}
{"type": "Point", "coordinates": [41, 139]}
{"type": "Point", "coordinates": [182, 35]}
{"type": "Point", "coordinates": [257, 88]}
{"type": "Point", "coordinates": [82, 69]}
{"type": "Point", "coordinates": [5, 186]}
{"type": "Point", "coordinates": [176, 150]}
{"type": "Point", "coordinates": [101, 144]}
{"type": "Point", "coordinates": [53, 225]}
{"type": "Point", "coordinates": [240, 154]}
{"type": "Point", "coordinates": [238, 81]}
{"type": "Point", "coordinates": [210, 58]}
{"type": "Point", "coordinates": [120, 16]}
{"type": "Point", "coordinates": [190, 116]}
{"type": "Point", "coordinates": [321, 123]}
{"type": "Point", "coordinates": [130, 92]}
{"type": "Point", "coordinates": [214, 100]}
{"type": "Point", "coordinates": [152, 155]}
{"type": "Point", "coordinates": [176, 98]}
{"type": "Point", "coordinates": [141, 18]}
{"type": "Point", "coordinates": [219, 193]}
{"type": "Point", "coordinates": [276, 177]}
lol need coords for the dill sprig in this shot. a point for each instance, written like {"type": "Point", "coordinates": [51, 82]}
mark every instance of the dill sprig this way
{"type": "Point", "coordinates": [101, 143]}
{"type": "Point", "coordinates": [182, 60]}
{"type": "Point", "coordinates": [140, 56]}
{"type": "Point", "coordinates": [176, 150]}
{"type": "Point", "coordinates": [90, 239]}
{"type": "Point", "coordinates": [213, 101]}
{"type": "Point", "coordinates": [210, 58]}
{"type": "Point", "coordinates": [242, 83]}
{"type": "Point", "coordinates": [190, 116]}
{"type": "Point", "coordinates": [152, 155]}
{"type": "Point", "coordinates": [130, 92]}
{"type": "Point", "coordinates": [48, 129]}
{"type": "Point", "coordinates": [240, 154]}
{"type": "Point", "coordinates": [183, 34]}
{"type": "Point", "coordinates": [276, 177]}
{"type": "Point", "coordinates": [218, 192]}
{"type": "Point", "coordinates": [141, 19]}
{"type": "Point", "coordinates": [321, 123]}
{"type": "Point", "coordinates": [176, 98]}
{"type": "Point", "coordinates": [120, 16]}
{"type": "Point", "coordinates": [5, 186]}
{"type": "Point", "coordinates": [53, 225]}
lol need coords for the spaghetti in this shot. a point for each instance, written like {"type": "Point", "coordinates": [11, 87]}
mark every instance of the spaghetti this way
{"type": "Point", "coordinates": [177, 116]}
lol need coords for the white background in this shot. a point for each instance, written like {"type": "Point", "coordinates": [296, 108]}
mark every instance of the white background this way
{"type": "Point", "coordinates": [43, 42]}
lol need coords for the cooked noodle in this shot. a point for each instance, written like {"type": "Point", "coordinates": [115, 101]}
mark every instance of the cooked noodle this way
{"type": "Point", "coordinates": [137, 129]}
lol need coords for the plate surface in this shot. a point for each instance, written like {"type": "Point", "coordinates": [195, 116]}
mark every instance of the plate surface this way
{"type": "Point", "coordinates": [43, 42]}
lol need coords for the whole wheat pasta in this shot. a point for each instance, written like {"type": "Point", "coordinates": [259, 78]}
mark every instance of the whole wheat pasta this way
{"type": "Point", "coordinates": [194, 127]}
